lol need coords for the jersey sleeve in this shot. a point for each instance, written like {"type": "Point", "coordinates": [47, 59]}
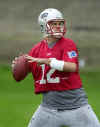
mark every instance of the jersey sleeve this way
{"type": "Point", "coordinates": [70, 53]}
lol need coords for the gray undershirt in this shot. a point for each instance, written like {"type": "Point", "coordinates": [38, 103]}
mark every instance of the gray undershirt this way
{"type": "Point", "coordinates": [65, 100]}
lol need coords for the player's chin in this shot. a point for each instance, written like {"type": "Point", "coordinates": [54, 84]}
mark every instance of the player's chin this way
{"type": "Point", "coordinates": [58, 35]}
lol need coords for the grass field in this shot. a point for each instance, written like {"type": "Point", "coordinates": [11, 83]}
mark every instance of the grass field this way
{"type": "Point", "coordinates": [17, 101]}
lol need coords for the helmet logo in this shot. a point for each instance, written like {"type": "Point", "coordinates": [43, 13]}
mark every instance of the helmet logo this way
{"type": "Point", "coordinates": [44, 15]}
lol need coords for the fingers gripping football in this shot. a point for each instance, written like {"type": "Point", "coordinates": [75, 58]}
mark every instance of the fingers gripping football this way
{"type": "Point", "coordinates": [20, 68]}
{"type": "Point", "coordinates": [39, 61]}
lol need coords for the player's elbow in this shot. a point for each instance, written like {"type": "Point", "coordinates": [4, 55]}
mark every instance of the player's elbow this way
{"type": "Point", "coordinates": [73, 68]}
{"type": "Point", "coordinates": [70, 67]}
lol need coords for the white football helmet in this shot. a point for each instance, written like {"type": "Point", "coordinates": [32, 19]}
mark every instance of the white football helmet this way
{"type": "Point", "coordinates": [46, 17]}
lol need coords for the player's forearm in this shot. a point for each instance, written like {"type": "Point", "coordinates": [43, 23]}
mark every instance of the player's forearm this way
{"type": "Point", "coordinates": [69, 67]}
{"type": "Point", "coordinates": [62, 65]}
{"type": "Point", "coordinates": [54, 63]}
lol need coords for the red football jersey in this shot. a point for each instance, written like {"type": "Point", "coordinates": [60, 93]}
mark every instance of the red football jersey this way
{"type": "Point", "coordinates": [49, 79]}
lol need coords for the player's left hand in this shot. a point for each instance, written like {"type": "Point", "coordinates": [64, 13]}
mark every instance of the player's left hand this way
{"type": "Point", "coordinates": [38, 60]}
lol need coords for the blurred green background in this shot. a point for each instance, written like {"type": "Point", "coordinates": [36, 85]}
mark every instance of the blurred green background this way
{"type": "Point", "coordinates": [19, 31]}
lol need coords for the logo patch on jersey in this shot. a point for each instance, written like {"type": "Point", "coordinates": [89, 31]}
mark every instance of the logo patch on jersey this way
{"type": "Point", "coordinates": [72, 54]}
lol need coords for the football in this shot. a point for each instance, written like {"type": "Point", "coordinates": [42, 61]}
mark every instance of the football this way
{"type": "Point", "coordinates": [20, 69]}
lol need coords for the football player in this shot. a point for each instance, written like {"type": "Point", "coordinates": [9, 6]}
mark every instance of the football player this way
{"type": "Point", "coordinates": [55, 68]}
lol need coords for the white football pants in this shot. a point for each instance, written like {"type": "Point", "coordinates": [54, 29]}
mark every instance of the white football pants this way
{"type": "Point", "coordinates": [81, 117]}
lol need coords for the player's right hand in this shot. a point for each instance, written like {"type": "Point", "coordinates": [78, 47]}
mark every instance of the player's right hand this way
{"type": "Point", "coordinates": [14, 62]}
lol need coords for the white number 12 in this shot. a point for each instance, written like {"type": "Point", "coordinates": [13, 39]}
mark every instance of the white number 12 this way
{"type": "Point", "coordinates": [48, 76]}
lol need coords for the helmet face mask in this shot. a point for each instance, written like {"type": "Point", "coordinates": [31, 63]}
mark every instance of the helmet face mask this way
{"type": "Point", "coordinates": [52, 23]}
{"type": "Point", "coordinates": [56, 28]}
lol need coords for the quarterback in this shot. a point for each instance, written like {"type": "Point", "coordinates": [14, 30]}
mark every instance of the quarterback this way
{"type": "Point", "coordinates": [54, 65]}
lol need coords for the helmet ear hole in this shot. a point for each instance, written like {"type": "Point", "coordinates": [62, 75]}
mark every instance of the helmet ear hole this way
{"type": "Point", "coordinates": [42, 28]}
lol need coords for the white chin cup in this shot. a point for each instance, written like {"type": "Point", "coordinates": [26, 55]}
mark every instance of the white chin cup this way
{"type": "Point", "coordinates": [58, 35]}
